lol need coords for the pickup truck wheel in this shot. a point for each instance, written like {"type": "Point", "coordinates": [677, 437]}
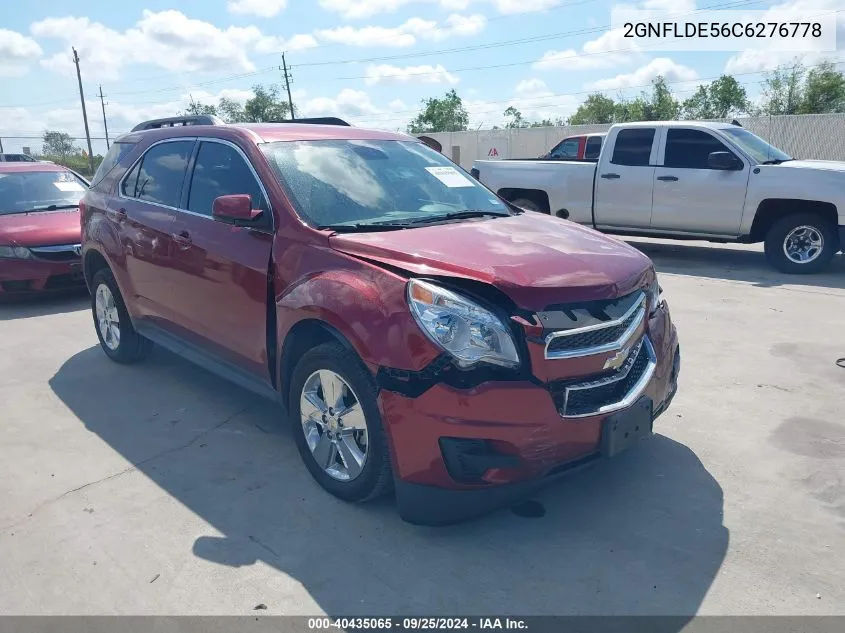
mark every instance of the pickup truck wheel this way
{"type": "Point", "coordinates": [801, 244]}
{"type": "Point", "coordinates": [337, 424]}
{"type": "Point", "coordinates": [528, 205]}
{"type": "Point", "coordinates": [118, 338]}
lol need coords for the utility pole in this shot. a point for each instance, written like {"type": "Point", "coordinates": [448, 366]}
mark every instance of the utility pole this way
{"type": "Point", "coordinates": [84, 113]}
{"type": "Point", "coordinates": [105, 123]}
{"type": "Point", "coordinates": [287, 77]}
{"type": "Point", "coordinates": [1, 145]}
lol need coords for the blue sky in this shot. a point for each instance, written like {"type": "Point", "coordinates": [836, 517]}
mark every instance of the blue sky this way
{"type": "Point", "coordinates": [370, 61]}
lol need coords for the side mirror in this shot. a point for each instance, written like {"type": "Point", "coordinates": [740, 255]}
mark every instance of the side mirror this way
{"type": "Point", "coordinates": [723, 160]}
{"type": "Point", "coordinates": [235, 209]}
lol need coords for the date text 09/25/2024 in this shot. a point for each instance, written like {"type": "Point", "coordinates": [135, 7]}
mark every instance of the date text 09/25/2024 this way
{"type": "Point", "coordinates": [416, 624]}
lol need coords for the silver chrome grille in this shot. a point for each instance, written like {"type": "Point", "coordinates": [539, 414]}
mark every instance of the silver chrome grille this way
{"type": "Point", "coordinates": [598, 338]}
{"type": "Point", "coordinates": [60, 253]}
{"type": "Point", "coordinates": [608, 393]}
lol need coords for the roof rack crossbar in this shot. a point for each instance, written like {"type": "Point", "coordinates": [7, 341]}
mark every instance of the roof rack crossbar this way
{"type": "Point", "coordinates": [173, 121]}
{"type": "Point", "coordinates": [327, 120]}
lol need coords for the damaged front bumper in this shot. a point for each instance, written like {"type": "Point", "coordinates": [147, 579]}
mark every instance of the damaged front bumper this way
{"type": "Point", "coordinates": [460, 451]}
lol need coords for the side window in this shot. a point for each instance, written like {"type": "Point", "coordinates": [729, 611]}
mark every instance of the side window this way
{"type": "Point", "coordinates": [129, 186]}
{"type": "Point", "coordinates": [162, 172]}
{"type": "Point", "coordinates": [591, 152]}
{"type": "Point", "coordinates": [689, 149]}
{"type": "Point", "coordinates": [633, 146]}
{"type": "Point", "coordinates": [112, 158]}
{"type": "Point", "coordinates": [220, 170]}
{"type": "Point", "coordinates": [567, 149]}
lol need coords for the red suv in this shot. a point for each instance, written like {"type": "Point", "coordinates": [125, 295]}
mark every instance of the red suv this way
{"type": "Point", "coordinates": [421, 333]}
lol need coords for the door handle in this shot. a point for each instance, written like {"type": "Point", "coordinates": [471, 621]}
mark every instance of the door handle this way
{"type": "Point", "coordinates": [182, 239]}
{"type": "Point", "coordinates": [119, 214]}
{"type": "Point", "coordinates": [611, 176]}
{"type": "Point", "coordinates": [668, 178]}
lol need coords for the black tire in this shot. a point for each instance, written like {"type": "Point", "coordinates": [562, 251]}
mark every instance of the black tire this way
{"type": "Point", "coordinates": [778, 233]}
{"type": "Point", "coordinates": [132, 347]}
{"type": "Point", "coordinates": [376, 476]}
{"type": "Point", "coordinates": [527, 204]}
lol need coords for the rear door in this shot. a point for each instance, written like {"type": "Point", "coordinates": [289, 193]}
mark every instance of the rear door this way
{"type": "Point", "coordinates": [625, 180]}
{"type": "Point", "coordinates": [689, 196]}
{"type": "Point", "coordinates": [143, 212]}
{"type": "Point", "coordinates": [222, 269]}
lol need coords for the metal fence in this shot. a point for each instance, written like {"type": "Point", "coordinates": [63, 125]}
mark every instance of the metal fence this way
{"type": "Point", "coordinates": [816, 136]}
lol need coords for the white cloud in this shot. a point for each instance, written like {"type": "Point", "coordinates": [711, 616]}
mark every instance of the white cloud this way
{"type": "Point", "coordinates": [347, 102]}
{"type": "Point", "coordinates": [168, 39]}
{"type": "Point", "coordinates": [531, 88]}
{"type": "Point", "coordinates": [397, 105]}
{"type": "Point", "coordinates": [407, 33]}
{"type": "Point", "coordinates": [274, 44]}
{"type": "Point", "coordinates": [606, 51]}
{"type": "Point", "coordinates": [672, 71]}
{"type": "Point", "coordinates": [425, 74]}
{"type": "Point", "coordinates": [751, 61]}
{"type": "Point", "coordinates": [16, 52]}
{"type": "Point", "coordinates": [358, 9]}
{"type": "Point", "coordinates": [262, 8]}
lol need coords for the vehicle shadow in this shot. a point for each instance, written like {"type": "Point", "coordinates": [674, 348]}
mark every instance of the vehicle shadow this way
{"type": "Point", "coordinates": [23, 307]}
{"type": "Point", "coordinates": [641, 534]}
{"type": "Point", "coordinates": [737, 264]}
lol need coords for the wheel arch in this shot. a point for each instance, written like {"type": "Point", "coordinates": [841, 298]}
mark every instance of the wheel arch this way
{"type": "Point", "coordinates": [537, 196]}
{"type": "Point", "coordinates": [772, 210]}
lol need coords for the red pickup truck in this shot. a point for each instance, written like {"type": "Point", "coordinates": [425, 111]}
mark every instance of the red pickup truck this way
{"type": "Point", "coordinates": [582, 147]}
{"type": "Point", "coordinates": [419, 332]}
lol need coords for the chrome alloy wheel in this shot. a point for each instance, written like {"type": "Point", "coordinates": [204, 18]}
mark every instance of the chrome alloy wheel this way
{"type": "Point", "coordinates": [803, 244]}
{"type": "Point", "coordinates": [108, 319]}
{"type": "Point", "coordinates": [334, 425]}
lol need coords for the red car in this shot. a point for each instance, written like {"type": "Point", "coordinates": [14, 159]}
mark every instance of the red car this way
{"type": "Point", "coordinates": [39, 227]}
{"type": "Point", "coordinates": [421, 334]}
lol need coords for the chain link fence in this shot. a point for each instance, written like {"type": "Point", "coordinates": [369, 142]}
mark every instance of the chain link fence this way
{"type": "Point", "coordinates": [806, 136]}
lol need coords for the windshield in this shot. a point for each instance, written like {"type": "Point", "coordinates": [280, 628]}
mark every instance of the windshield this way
{"type": "Point", "coordinates": [39, 190]}
{"type": "Point", "coordinates": [754, 146]}
{"type": "Point", "coordinates": [375, 183]}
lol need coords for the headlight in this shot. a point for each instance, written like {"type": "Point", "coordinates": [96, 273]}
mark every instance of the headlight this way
{"type": "Point", "coordinates": [655, 296]}
{"type": "Point", "coordinates": [463, 328]}
{"type": "Point", "coordinates": [15, 252]}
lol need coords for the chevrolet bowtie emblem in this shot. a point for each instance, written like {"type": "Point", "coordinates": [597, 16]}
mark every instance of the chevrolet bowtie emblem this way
{"type": "Point", "coordinates": [77, 250]}
{"type": "Point", "coordinates": [616, 361]}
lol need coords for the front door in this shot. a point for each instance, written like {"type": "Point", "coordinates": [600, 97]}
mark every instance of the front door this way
{"type": "Point", "coordinates": [624, 184]}
{"type": "Point", "coordinates": [143, 213]}
{"type": "Point", "coordinates": [689, 196]}
{"type": "Point", "coordinates": [222, 269]}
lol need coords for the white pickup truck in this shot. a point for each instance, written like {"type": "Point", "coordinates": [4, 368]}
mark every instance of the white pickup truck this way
{"type": "Point", "coordinates": [690, 180]}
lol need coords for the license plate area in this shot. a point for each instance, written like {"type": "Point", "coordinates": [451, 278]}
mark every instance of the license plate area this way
{"type": "Point", "coordinates": [624, 429]}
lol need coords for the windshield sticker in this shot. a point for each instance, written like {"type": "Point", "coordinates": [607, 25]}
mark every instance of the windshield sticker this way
{"type": "Point", "coordinates": [68, 186]}
{"type": "Point", "coordinates": [450, 176]}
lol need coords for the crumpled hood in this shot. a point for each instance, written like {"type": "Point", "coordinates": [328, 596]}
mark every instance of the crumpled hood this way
{"type": "Point", "coordinates": [535, 259]}
{"type": "Point", "coordinates": [41, 228]}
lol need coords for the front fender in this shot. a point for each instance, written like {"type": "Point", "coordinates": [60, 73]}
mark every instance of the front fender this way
{"type": "Point", "coordinates": [367, 306]}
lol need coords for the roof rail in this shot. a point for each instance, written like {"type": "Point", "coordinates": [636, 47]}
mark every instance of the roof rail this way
{"type": "Point", "coordinates": [326, 120]}
{"type": "Point", "coordinates": [173, 121]}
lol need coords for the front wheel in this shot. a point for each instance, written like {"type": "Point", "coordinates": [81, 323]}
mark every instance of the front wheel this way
{"type": "Point", "coordinates": [801, 244]}
{"type": "Point", "coordinates": [337, 424]}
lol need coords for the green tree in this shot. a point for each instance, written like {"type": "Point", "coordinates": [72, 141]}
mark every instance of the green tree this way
{"type": "Point", "coordinates": [446, 114]}
{"type": "Point", "coordinates": [661, 105]}
{"type": "Point", "coordinates": [556, 122]}
{"type": "Point", "coordinates": [597, 108]}
{"type": "Point", "coordinates": [231, 111]}
{"type": "Point", "coordinates": [196, 108]}
{"type": "Point", "coordinates": [515, 118]}
{"type": "Point", "coordinates": [783, 89]}
{"type": "Point", "coordinates": [721, 98]}
{"type": "Point", "coordinates": [266, 105]}
{"type": "Point", "coordinates": [58, 144]}
{"type": "Point", "coordinates": [824, 90]}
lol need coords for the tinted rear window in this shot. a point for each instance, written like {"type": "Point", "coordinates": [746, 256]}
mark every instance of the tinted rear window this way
{"type": "Point", "coordinates": [112, 158]}
{"type": "Point", "coordinates": [633, 147]}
